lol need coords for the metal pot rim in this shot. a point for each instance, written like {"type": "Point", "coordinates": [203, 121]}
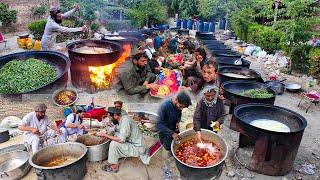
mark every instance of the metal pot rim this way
{"type": "Point", "coordinates": [207, 167]}
{"type": "Point", "coordinates": [57, 167]}
{"type": "Point", "coordinates": [18, 151]}
{"type": "Point", "coordinates": [98, 145]}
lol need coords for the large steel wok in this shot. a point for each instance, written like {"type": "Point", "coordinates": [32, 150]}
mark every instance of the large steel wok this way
{"type": "Point", "coordinates": [60, 62]}
{"type": "Point", "coordinates": [200, 172]}
{"type": "Point", "coordinates": [14, 165]}
{"type": "Point", "coordinates": [74, 169]}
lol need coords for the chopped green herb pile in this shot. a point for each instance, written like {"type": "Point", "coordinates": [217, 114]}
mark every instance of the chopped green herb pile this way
{"type": "Point", "coordinates": [256, 93]}
{"type": "Point", "coordinates": [21, 76]}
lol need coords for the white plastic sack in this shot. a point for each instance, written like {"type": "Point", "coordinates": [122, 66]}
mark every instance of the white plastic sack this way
{"type": "Point", "coordinates": [249, 50]}
{"type": "Point", "coordinates": [262, 54]}
{"type": "Point", "coordinates": [256, 51]}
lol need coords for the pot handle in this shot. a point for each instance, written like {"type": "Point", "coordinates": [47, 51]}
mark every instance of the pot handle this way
{"type": "Point", "coordinates": [3, 174]}
{"type": "Point", "coordinates": [41, 175]}
{"type": "Point", "coordinates": [283, 80]}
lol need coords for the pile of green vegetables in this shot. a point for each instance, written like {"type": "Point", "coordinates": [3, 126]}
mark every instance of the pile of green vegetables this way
{"type": "Point", "coordinates": [19, 76]}
{"type": "Point", "coordinates": [256, 93]}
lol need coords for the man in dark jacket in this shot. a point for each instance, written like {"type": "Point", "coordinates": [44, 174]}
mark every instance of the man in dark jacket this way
{"type": "Point", "coordinates": [209, 109]}
{"type": "Point", "coordinates": [169, 116]}
{"type": "Point", "coordinates": [136, 77]}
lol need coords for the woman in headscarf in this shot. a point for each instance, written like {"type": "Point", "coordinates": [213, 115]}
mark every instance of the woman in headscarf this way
{"type": "Point", "coordinates": [209, 109]}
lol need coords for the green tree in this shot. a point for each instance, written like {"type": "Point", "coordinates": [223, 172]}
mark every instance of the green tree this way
{"type": "Point", "coordinates": [148, 11]}
{"type": "Point", "coordinates": [7, 17]}
{"type": "Point", "coordinates": [188, 8]}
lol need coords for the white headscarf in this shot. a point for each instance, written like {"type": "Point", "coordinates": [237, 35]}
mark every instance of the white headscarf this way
{"type": "Point", "coordinates": [208, 89]}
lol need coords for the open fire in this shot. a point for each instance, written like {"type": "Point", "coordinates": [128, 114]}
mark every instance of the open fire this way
{"type": "Point", "coordinates": [102, 76]}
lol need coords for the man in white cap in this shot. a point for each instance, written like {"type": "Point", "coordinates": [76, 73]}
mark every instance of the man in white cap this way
{"type": "Point", "coordinates": [53, 27]}
{"type": "Point", "coordinates": [35, 124]}
{"type": "Point", "coordinates": [149, 48]}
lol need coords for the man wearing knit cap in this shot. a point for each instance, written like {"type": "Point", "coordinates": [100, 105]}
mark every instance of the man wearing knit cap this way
{"type": "Point", "coordinates": [149, 48]}
{"type": "Point", "coordinates": [35, 126]}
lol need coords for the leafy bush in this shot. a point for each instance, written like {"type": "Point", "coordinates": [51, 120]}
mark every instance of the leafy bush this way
{"type": "Point", "coordinates": [299, 56]}
{"type": "Point", "coordinates": [314, 61]}
{"type": "Point", "coordinates": [37, 28]}
{"type": "Point", "coordinates": [39, 10]}
{"type": "Point", "coordinates": [7, 17]}
{"type": "Point", "coordinates": [266, 37]}
{"type": "Point", "coordinates": [150, 11]}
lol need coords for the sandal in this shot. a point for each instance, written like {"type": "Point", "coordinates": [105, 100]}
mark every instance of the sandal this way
{"type": "Point", "coordinates": [108, 168]}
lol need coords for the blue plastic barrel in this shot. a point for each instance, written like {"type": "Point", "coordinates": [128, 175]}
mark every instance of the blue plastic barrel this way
{"type": "Point", "coordinates": [206, 26]}
{"type": "Point", "coordinates": [184, 24]}
{"type": "Point", "coordinates": [178, 23]}
{"type": "Point", "coordinates": [212, 27]}
{"type": "Point", "coordinates": [222, 24]}
{"type": "Point", "coordinates": [190, 24]}
{"type": "Point", "coordinates": [200, 26]}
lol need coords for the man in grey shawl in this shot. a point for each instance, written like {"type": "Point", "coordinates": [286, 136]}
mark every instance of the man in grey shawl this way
{"type": "Point", "coordinates": [209, 109]}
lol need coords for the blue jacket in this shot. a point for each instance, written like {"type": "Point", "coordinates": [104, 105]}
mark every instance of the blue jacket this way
{"type": "Point", "coordinates": [168, 117]}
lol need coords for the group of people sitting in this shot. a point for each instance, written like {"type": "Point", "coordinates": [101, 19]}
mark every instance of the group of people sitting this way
{"type": "Point", "coordinates": [137, 76]}
{"type": "Point", "coordinates": [126, 137]}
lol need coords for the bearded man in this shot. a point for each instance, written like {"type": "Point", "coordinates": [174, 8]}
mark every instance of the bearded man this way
{"type": "Point", "coordinates": [53, 27]}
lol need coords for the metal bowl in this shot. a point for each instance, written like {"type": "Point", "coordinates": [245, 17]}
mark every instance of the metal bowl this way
{"type": "Point", "coordinates": [200, 172]}
{"type": "Point", "coordinates": [56, 93]}
{"type": "Point", "coordinates": [14, 165]}
{"type": "Point", "coordinates": [292, 87]}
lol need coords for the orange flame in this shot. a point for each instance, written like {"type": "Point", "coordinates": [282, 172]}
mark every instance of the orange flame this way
{"type": "Point", "coordinates": [102, 76]}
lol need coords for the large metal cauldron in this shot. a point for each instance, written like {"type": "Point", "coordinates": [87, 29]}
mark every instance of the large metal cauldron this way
{"type": "Point", "coordinates": [96, 151]}
{"type": "Point", "coordinates": [74, 170]}
{"type": "Point", "coordinates": [60, 62]}
{"type": "Point", "coordinates": [274, 152]}
{"type": "Point", "coordinates": [200, 172]}
{"type": "Point", "coordinates": [14, 165]}
{"type": "Point", "coordinates": [233, 61]}
{"type": "Point", "coordinates": [93, 59]}
{"type": "Point", "coordinates": [252, 74]}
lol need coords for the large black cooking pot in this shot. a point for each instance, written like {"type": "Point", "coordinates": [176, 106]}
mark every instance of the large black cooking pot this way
{"type": "Point", "coordinates": [4, 135]}
{"type": "Point", "coordinates": [212, 47]}
{"type": "Point", "coordinates": [94, 59]}
{"type": "Point", "coordinates": [193, 172]}
{"type": "Point", "coordinates": [202, 35]}
{"type": "Point", "coordinates": [246, 113]}
{"type": "Point", "coordinates": [252, 74]}
{"type": "Point", "coordinates": [60, 62]}
{"type": "Point", "coordinates": [232, 61]}
{"type": "Point", "coordinates": [211, 42]}
{"type": "Point", "coordinates": [231, 90]}
{"type": "Point", "coordinates": [74, 169]}
{"type": "Point", "coordinates": [225, 53]}
{"type": "Point", "coordinates": [128, 40]}
{"type": "Point", "coordinates": [275, 151]}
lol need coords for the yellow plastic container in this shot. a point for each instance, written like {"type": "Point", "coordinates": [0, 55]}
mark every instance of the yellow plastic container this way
{"type": "Point", "coordinates": [21, 42]}
{"type": "Point", "coordinates": [37, 45]}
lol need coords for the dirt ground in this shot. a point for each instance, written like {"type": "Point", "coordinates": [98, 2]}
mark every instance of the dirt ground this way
{"type": "Point", "coordinates": [132, 168]}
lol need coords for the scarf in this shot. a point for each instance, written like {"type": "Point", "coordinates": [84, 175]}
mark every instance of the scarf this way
{"type": "Point", "coordinates": [214, 100]}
